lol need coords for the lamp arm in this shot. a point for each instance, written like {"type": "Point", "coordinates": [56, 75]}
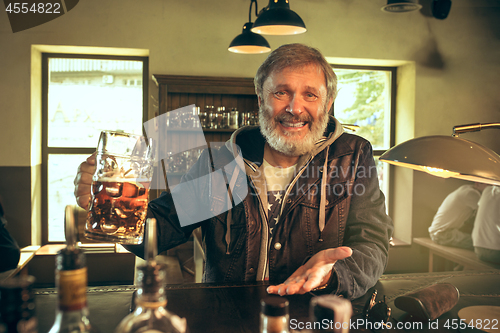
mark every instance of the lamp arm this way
{"type": "Point", "coordinates": [473, 128]}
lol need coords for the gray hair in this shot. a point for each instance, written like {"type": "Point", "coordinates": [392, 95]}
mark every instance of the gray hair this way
{"type": "Point", "coordinates": [295, 56]}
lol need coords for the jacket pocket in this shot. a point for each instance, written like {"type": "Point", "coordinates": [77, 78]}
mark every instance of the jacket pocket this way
{"type": "Point", "coordinates": [335, 193]}
{"type": "Point", "coordinates": [218, 228]}
{"type": "Point", "coordinates": [308, 211]}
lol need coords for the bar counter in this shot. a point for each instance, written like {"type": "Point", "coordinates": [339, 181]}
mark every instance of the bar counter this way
{"type": "Point", "coordinates": [235, 308]}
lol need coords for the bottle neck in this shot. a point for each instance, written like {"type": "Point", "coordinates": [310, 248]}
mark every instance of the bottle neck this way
{"type": "Point", "coordinates": [151, 286]}
{"type": "Point", "coordinates": [151, 299]}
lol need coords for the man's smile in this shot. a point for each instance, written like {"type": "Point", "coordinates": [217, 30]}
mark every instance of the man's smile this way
{"type": "Point", "coordinates": [293, 125]}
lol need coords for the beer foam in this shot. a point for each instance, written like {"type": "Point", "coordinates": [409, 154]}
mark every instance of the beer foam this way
{"type": "Point", "coordinates": [122, 180]}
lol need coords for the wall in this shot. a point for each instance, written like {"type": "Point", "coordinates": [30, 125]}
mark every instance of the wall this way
{"type": "Point", "coordinates": [456, 64]}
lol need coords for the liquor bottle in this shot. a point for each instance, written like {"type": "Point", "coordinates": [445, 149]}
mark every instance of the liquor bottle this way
{"type": "Point", "coordinates": [17, 305]}
{"type": "Point", "coordinates": [150, 314]}
{"type": "Point", "coordinates": [72, 314]}
{"type": "Point", "coordinates": [274, 317]}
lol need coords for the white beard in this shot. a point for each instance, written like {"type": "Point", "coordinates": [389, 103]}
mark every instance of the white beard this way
{"type": "Point", "coordinates": [286, 143]}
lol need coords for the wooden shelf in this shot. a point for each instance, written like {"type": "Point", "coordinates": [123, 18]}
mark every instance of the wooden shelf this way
{"type": "Point", "coordinates": [176, 91]}
{"type": "Point", "coordinates": [206, 84]}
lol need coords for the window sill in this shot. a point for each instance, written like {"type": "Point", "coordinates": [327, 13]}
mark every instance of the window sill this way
{"type": "Point", "coordinates": [107, 264]}
{"type": "Point", "coordinates": [52, 249]}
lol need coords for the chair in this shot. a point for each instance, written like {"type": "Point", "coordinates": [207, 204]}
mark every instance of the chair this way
{"type": "Point", "coordinates": [199, 255]}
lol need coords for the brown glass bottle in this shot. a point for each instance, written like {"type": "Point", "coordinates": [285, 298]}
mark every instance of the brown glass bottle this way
{"type": "Point", "coordinates": [72, 314]}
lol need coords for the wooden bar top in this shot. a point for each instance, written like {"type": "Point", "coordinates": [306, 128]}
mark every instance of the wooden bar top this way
{"type": "Point", "coordinates": [235, 308]}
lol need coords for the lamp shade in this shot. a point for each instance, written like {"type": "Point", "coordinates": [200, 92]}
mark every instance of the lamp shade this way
{"type": "Point", "coordinates": [401, 6]}
{"type": "Point", "coordinates": [249, 42]}
{"type": "Point", "coordinates": [447, 156]}
{"type": "Point", "coordinates": [278, 19]}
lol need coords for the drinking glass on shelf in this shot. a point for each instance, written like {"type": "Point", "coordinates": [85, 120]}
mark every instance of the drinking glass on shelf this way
{"type": "Point", "coordinates": [204, 118]}
{"type": "Point", "coordinates": [192, 156]}
{"type": "Point", "coordinates": [255, 118]}
{"type": "Point", "coordinates": [247, 119]}
{"type": "Point", "coordinates": [212, 118]}
{"type": "Point", "coordinates": [217, 119]}
{"type": "Point", "coordinates": [224, 118]}
{"type": "Point", "coordinates": [120, 187]}
{"type": "Point", "coordinates": [174, 120]}
{"type": "Point", "coordinates": [190, 120]}
{"type": "Point", "coordinates": [233, 118]}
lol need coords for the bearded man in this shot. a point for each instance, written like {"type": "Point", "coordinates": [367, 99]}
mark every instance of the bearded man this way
{"type": "Point", "coordinates": [312, 215]}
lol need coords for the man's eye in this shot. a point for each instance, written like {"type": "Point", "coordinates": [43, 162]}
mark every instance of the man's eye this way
{"type": "Point", "coordinates": [280, 94]}
{"type": "Point", "coordinates": [310, 97]}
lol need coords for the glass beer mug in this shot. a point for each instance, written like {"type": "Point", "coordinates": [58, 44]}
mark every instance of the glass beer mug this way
{"type": "Point", "coordinates": [120, 186]}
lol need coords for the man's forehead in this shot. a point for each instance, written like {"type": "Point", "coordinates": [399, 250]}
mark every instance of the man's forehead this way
{"type": "Point", "coordinates": [315, 69]}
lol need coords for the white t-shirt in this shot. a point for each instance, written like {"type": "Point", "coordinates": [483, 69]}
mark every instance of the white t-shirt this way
{"type": "Point", "coordinates": [486, 232]}
{"type": "Point", "coordinates": [277, 179]}
{"type": "Point", "coordinates": [458, 206]}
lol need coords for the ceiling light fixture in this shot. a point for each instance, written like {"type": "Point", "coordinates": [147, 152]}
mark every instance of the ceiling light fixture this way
{"type": "Point", "coordinates": [278, 19]}
{"type": "Point", "coordinates": [249, 42]}
{"type": "Point", "coordinates": [401, 6]}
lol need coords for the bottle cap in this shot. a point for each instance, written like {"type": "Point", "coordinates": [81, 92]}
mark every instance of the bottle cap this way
{"type": "Point", "coordinates": [274, 306]}
{"type": "Point", "coordinates": [322, 310]}
{"type": "Point", "coordinates": [331, 308]}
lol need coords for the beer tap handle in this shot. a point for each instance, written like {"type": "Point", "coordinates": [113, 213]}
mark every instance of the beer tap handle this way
{"type": "Point", "coordinates": [70, 228]}
{"type": "Point", "coordinates": [151, 240]}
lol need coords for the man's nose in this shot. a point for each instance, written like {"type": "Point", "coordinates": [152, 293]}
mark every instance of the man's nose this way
{"type": "Point", "coordinates": [295, 106]}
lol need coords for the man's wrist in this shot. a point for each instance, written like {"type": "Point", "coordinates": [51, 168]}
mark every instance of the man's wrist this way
{"type": "Point", "coordinates": [332, 281]}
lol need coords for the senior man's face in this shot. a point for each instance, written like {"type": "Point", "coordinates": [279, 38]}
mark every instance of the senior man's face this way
{"type": "Point", "coordinates": [294, 109]}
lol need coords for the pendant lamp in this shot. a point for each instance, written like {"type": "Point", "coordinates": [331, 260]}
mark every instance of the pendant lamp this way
{"type": "Point", "coordinates": [249, 42]}
{"type": "Point", "coordinates": [278, 19]}
{"type": "Point", "coordinates": [401, 6]}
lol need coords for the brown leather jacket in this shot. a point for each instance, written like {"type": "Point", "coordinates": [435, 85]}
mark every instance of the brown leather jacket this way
{"type": "Point", "coordinates": [347, 199]}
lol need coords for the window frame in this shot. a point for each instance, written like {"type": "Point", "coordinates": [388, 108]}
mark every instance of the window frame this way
{"type": "Point", "coordinates": [392, 137]}
{"type": "Point", "coordinates": [46, 151]}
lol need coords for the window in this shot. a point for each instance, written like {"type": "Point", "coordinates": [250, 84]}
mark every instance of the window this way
{"type": "Point", "coordinates": [83, 95]}
{"type": "Point", "coordinates": [366, 99]}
